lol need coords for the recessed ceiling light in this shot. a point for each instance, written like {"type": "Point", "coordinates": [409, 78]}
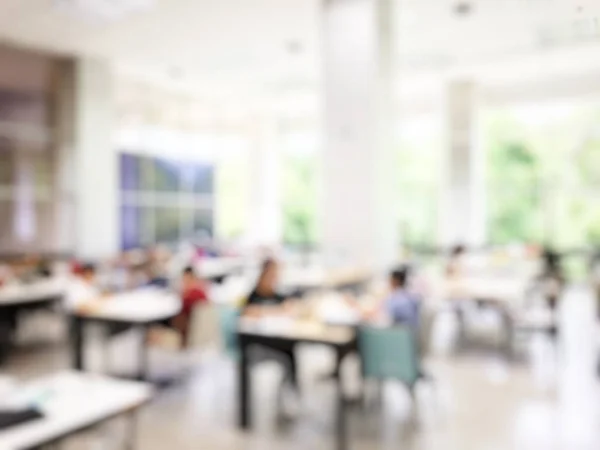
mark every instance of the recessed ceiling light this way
{"type": "Point", "coordinates": [175, 73]}
{"type": "Point", "coordinates": [463, 8]}
{"type": "Point", "coordinates": [104, 10]}
{"type": "Point", "coordinates": [293, 47]}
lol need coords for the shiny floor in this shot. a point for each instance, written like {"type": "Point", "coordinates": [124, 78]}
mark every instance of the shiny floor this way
{"type": "Point", "coordinates": [545, 397]}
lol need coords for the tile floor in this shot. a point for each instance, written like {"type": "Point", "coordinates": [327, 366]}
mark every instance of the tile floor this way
{"type": "Point", "coordinates": [545, 400]}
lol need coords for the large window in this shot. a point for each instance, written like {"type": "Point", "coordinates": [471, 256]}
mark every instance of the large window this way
{"type": "Point", "coordinates": [300, 175]}
{"type": "Point", "coordinates": [164, 200]}
{"type": "Point", "coordinates": [418, 177]}
{"type": "Point", "coordinates": [515, 178]}
{"type": "Point", "coordinates": [28, 200]}
{"type": "Point", "coordinates": [543, 174]}
{"type": "Point", "coordinates": [233, 188]}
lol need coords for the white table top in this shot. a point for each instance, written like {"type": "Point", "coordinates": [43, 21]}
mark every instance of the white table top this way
{"type": "Point", "coordinates": [16, 294]}
{"type": "Point", "coordinates": [70, 401]}
{"type": "Point", "coordinates": [139, 306]}
{"type": "Point", "coordinates": [497, 288]}
{"type": "Point", "coordinates": [216, 267]}
{"type": "Point", "coordinates": [318, 276]}
{"type": "Point", "coordinates": [288, 328]}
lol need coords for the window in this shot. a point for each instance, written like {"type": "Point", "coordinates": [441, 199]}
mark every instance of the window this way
{"type": "Point", "coordinates": [233, 188]}
{"type": "Point", "coordinates": [164, 200]}
{"type": "Point", "coordinates": [300, 174]}
{"type": "Point", "coordinates": [418, 158]}
{"type": "Point", "coordinates": [515, 202]}
{"type": "Point", "coordinates": [543, 174]}
{"type": "Point", "coordinates": [28, 204]}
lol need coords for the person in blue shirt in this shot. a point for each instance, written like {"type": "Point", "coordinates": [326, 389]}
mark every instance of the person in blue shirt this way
{"type": "Point", "coordinates": [401, 306]}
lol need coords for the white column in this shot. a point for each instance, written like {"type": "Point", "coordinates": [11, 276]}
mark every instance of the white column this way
{"type": "Point", "coordinates": [359, 226]}
{"type": "Point", "coordinates": [88, 164]}
{"type": "Point", "coordinates": [266, 215]}
{"type": "Point", "coordinates": [463, 206]}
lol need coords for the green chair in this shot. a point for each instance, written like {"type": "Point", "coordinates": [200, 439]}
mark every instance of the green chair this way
{"type": "Point", "coordinates": [389, 353]}
{"type": "Point", "coordinates": [228, 320]}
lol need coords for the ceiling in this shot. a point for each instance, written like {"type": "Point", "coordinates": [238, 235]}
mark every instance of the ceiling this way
{"type": "Point", "coordinates": [229, 39]}
{"type": "Point", "coordinates": [432, 33]}
{"type": "Point", "coordinates": [254, 43]}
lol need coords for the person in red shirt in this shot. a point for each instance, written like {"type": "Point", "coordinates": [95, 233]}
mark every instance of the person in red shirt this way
{"type": "Point", "coordinates": [193, 292]}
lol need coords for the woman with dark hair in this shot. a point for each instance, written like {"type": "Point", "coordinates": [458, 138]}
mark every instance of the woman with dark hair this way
{"type": "Point", "coordinates": [265, 300]}
{"type": "Point", "coordinates": [454, 264]}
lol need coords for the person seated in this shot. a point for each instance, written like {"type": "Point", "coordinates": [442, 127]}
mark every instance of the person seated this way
{"type": "Point", "coordinates": [401, 306]}
{"type": "Point", "coordinates": [264, 298]}
{"type": "Point", "coordinates": [6, 274]}
{"type": "Point", "coordinates": [454, 266]}
{"type": "Point", "coordinates": [157, 260]}
{"type": "Point", "coordinates": [193, 292]}
{"type": "Point", "coordinates": [82, 292]}
{"type": "Point", "coordinates": [43, 269]}
{"type": "Point", "coordinates": [552, 278]}
{"type": "Point", "coordinates": [154, 277]}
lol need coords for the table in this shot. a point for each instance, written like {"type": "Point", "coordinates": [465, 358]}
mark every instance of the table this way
{"type": "Point", "coordinates": [136, 309]}
{"type": "Point", "coordinates": [283, 334]}
{"type": "Point", "coordinates": [17, 298]}
{"type": "Point", "coordinates": [303, 279]}
{"type": "Point", "coordinates": [492, 289]}
{"type": "Point", "coordinates": [505, 294]}
{"type": "Point", "coordinates": [217, 269]}
{"type": "Point", "coordinates": [23, 295]}
{"type": "Point", "coordinates": [72, 402]}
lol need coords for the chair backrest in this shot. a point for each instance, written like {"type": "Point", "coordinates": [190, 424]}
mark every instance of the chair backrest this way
{"type": "Point", "coordinates": [389, 353]}
{"type": "Point", "coordinates": [228, 321]}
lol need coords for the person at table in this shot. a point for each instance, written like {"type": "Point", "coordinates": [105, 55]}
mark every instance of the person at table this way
{"type": "Point", "coordinates": [455, 264]}
{"type": "Point", "coordinates": [264, 300]}
{"type": "Point", "coordinates": [154, 277]}
{"type": "Point", "coordinates": [83, 293]}
{"type": "Point", "coordinates": [193, 293]}
{"type": "Point", "coordinates": [552, 278]}
{"type": "Point", "coordinates": [156, 263]}
{"type": "Point", "coordinates": [401, 306]}
{"type": "Point", "coordinates": [6, 274]}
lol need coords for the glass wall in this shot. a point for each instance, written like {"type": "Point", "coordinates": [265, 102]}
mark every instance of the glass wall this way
{"type": "Point", "coordinates": [419, 156]}
{"type": "Point", "coordinates": [164, 200]}
{"type": "Point", "coordinates": [27, 201]}
{"type": "Point", "coordinates": [543, 174]}
{"type": "Point", "coordinates": [233, 187]}
{"type": "Point", "coordinates": [300, 167]}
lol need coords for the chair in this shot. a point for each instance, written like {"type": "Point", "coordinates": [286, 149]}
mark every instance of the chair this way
{"type": "Point", "coordinates": [390, 353]}
{"type": "Point", "coordinates": [228, 320]}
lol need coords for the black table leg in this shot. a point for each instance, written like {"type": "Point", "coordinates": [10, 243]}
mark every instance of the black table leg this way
{"type": "Point", "coordinates": [244, 412]}
{"type": "Point", "coordinates": [5, 334]}
{"type": "Point", "coordinates": [77, 342]}
{"type": "Point", "coordinates": [130, 444]}
{"type": "Point", "coordinates": [142, 374]}
{"type": "Point", "coordinates": [341, 426]}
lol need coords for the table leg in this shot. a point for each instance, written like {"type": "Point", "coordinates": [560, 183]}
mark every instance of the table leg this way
{"type": "Point", "coordinates": [341, 426]}
{"type": "Point", "coordinates": [77, 343]}
{"type": "Point", "coordinates": [244, 412]}
{"type": "Point", "coordinates": [142, 374]}
{"type": "Point", "coordinates": [509, 332]}
{"type": "Point", "coordinates": [130, 443]}
{"type": "Point", "coordinates": [4, 337]}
